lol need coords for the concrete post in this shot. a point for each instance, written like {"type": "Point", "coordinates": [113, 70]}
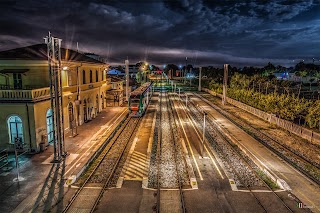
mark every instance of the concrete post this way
{"type": "Point", "coordinates": [225, 82]}
{"type": "Point", "coordinates": [199, 88]}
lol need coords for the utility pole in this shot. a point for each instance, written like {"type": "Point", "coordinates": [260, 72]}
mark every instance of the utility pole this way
{"type": "Point", "coordinates": [199, 88]}
{"type": "Point", "coordinates": [54, 62]}
{"type": "Point", "coordinates": [127, 80]}
{"type": "Point", "coordinates": [225, 82]}
{"type": "Point", "coordinates": [190, 76]}
{"type": "Point", "coordinates": [185, 71]}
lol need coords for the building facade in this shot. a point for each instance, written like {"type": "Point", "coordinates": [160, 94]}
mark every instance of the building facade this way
{"type": "Point", "coordinates": [25, 106]}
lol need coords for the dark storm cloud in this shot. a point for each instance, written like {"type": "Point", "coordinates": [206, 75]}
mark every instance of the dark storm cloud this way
{"type": "Point", "coordinates": [207, 32]}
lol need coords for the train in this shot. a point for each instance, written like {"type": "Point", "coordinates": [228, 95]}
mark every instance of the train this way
{"type": "Point", "coordinates": [139, 99]}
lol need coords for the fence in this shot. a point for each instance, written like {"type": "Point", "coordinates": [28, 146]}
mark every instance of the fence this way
{"type": "Point", "coordinates": [305, 133]}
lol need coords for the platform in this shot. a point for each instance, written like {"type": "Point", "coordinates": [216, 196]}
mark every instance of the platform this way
{"type": "Point", "coordinates": [44, 182]}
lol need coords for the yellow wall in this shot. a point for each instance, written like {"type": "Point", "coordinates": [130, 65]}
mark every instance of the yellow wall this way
{"type": "Point", "coordinates": [20, 110]}
{"type": "Point", "coordinates": [40, 113]}
{"type": "Point", "coordinates": [38, 76]}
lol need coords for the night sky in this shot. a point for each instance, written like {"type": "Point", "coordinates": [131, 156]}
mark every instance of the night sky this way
{"type": "Point", "coordinates": [208, 32]}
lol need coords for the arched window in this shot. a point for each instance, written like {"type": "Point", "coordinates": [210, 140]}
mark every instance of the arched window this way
{"type": "Point", "coordinates": [97, 76]}
{"type": "Point", "coordinates": [15, 129]}
{"type": "Point", "coordinates": [49, 126]}
{"type": "Point", "coordinates": [83, 77]}
{"type": "Point", "coordinates": [90, 76]}
{"type": "Point", "coordinates": [102, 75]}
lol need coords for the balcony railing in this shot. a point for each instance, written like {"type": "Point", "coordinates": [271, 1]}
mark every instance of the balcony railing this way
{"type": "Point", "coordinates": [25, 87]}
{"type": "Point", "coordinates": [25, 95]}
{"type": "Point", "coordinates": [7, 93]}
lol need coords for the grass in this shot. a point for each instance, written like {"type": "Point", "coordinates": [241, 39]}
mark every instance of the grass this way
{"type": "Point", "coordinates": [267, 180]}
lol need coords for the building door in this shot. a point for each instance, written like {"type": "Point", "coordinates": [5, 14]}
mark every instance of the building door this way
{"type": "Point", "coordinates": [15, 129]}
{"type": "Point", "coordinates": [85, 111]}
{"type": "Point", "coordinates": [97, 105]}
{"type": "Point", "coordinates": [49, 126]}
{"type": "Point", "coordinates": [71, 115]}
{"type": "Point", "coordinates": [102, 101]}
{"type": "Point", "coordinates": [17, 81]}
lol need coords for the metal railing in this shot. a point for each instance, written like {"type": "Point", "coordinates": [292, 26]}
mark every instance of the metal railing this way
{"type": "Point", "coordinates": [4, 158]}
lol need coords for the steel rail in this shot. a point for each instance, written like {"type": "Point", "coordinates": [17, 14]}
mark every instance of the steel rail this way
{"type": "Point", "coordinates": [114, 167]}
{"type": "Point", "coordinates": [107, 151]}
{"type": "Point", "coordinates": [183, 207]}
{"type": "Point", "coordinates": [159, 155]}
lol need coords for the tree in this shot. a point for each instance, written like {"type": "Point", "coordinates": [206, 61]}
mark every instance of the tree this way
{"type": "Point", "coordinates": [313, 116]}
{"type": "Point", "coordinates": [172, 67]}
{"type": "Point", "coordinates": [311, 80]}
{"type": "Point", "coordinates": [300, 66]}
{"type": "Point", "coordinates": [120, 68]}
{"type": "Point", "coordinates": [269, 69]}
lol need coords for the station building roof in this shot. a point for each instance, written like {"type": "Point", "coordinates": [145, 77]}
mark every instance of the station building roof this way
{"type": "Point", "coordinates": [39, 52]}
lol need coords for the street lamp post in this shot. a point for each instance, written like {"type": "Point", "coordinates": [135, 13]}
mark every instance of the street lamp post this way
{"type": "Point", "coordinates": [172, 86]}
{"type": "Point", "coordinates": [199, 87]}
{"type": "Point", "coordinates": [203, 132]}
{"type": "Point", "coordinates": [127, 80]}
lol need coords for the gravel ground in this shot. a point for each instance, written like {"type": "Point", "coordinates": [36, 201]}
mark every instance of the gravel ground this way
{"type": "Point", "coordinates": [170, 148]}
{"type": "Point", "coordinates": [152, 180]}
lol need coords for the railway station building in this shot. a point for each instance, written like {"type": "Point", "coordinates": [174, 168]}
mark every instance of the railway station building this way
{"type": "Point", "coordinates": [25, 106]}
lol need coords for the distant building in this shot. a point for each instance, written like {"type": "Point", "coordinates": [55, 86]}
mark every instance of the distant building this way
{"type": "Point", "coordinates": [115, 95]}
{"type": "Point", "coordinates": [25, 110]}
{"type": "Point", "coordinates": [290, 75]}
{"type": "Point", "coordinates": [116, 72]}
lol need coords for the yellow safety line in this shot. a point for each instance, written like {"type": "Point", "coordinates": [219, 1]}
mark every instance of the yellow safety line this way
{"type": "Point", "coordinates": [214, 163]}
{"type": "Point", "coordinates": [194, 159]}
{"type": "Point", "coordinates": [133, 167]}
{"type": "Point", "coordinates": [139, 154]}
{"type": "Point", "coordinates": [137, 163]}
{"type": "Point", "coordinates": [130, 169]}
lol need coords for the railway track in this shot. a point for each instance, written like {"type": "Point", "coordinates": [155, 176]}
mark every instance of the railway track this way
{"type": "Point", "coordinates": [176, 159]}
{"type": "Point", "coordinates": [236, 153]}
{"type": "Point", "coordinates": [99, 175]}
{"type": "Point", "coordinates": [159, 117]}
{"type": "Point", "coordinates": [168, 156]}
{"type": "Point", "coordinates": [294, 158]}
